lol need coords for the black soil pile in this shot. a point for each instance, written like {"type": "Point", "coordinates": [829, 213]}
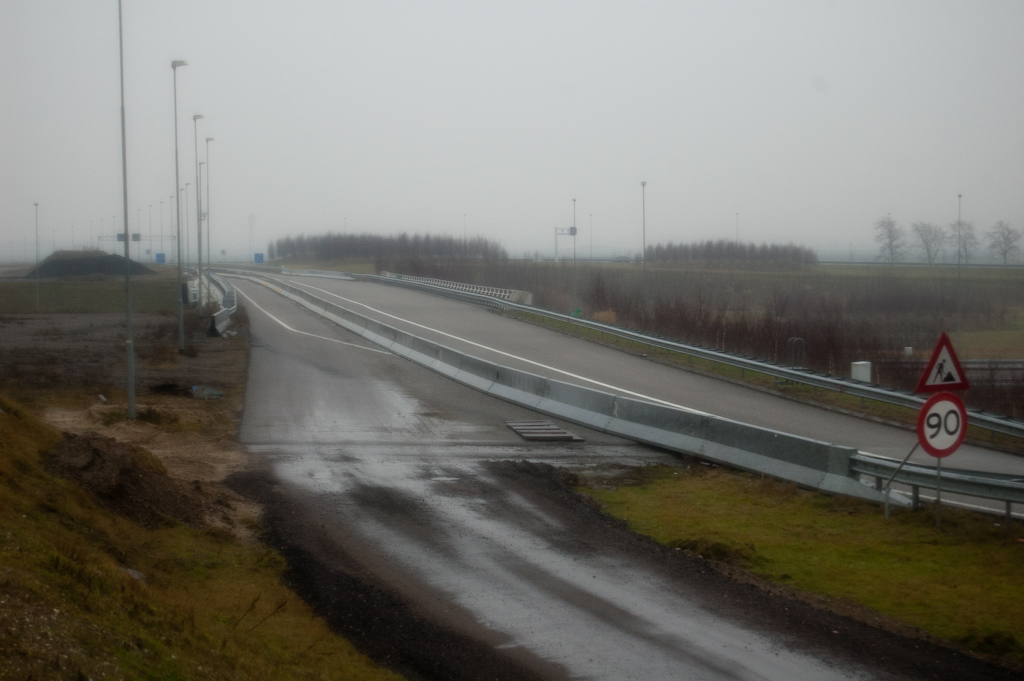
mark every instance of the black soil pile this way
{"type": "Point", "coordinates": [126, 479]}
{"type": "Point", "coordinates": [79, 263]}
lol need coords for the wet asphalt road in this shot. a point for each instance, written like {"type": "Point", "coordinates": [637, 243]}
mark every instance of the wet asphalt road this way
{"type": "Point", "coordinates": [390, 470]}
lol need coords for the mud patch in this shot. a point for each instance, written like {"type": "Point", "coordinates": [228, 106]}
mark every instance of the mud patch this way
{"type": "Point", "coordinates": [126, 479]}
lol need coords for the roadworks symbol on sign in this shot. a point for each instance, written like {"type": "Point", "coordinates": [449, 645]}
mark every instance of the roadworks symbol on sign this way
{"type": "Point", "coordinates": [943, 371]}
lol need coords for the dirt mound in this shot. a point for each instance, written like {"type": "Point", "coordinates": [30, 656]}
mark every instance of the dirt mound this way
{"type": "Point", "coordinates": [79, 263]}
{"type": "Point", "coordinates": [126, 479]}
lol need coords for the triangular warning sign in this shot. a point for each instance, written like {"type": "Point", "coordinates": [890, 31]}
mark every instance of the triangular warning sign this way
{"type": "Point", "coordinates": [943, 371]}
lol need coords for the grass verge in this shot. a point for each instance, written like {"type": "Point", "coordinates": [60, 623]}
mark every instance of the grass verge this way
{"type": "Point", "coordinates": [960, 582]}
{"type": "Point", "coordinates": [90, 294]}
{"type": "Point", "coordinates": [86, 593]}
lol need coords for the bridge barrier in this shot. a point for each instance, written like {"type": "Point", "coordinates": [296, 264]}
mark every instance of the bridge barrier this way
{"type": "Point", "coordinates": [228, 306]}
{"type": "Point", "coordinates": [811, 463]}
{"type": "Point", "coordinates": [511, 295]}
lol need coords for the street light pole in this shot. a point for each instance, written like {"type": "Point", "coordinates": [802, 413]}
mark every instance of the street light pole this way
{"type": "Point", "coordinates": [150, 233]}
{"type": "Point", "coordinates": [188, 243]}
{"type": "Point", "coordinates": [643, 254]}
{"type": "Point", "coordinates": [199, 194]}
{"type": "Point", "coordinates": [36, 204]}
{"type": "Point", "coordinates": [199, 211]}
{"type": "Point", "coordinates": [161, 246]}
{"type": "Point", "coordinates": [177, 202]}
{"type": "Point", "coordinates": [959, 254]}
{"type": "Point", "coordinates": [171, 203]}
{"type": "Point", "coordinates": [209, 252]}
{"type": "Point", "coordinates": [129, 340]}
{"type": "Point", "coordinates": [574, 229]}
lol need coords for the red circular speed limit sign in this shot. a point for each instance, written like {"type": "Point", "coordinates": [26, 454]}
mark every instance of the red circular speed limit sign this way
{"type": "Point", "coordinates": [942, 424]}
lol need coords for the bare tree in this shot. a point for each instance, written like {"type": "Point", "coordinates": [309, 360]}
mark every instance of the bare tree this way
{"type": "Point", "coordinates": [892, 240]}
{"type": "Point", "coordinates": [1003, 241]}
{"type": "Point", "coordinates": [931, 237]}
{"type": "Point", "coordinates": [962, 233]}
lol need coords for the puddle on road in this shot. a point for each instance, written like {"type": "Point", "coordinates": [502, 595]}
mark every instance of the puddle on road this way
{"type": "Point", "coordinates": [462, 533]}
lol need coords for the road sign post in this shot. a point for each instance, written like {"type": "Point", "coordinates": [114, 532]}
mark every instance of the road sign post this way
{"type": "Point", "coordinates": [941, 426]}
{"type": "Point", "coordinates": [942, 421]}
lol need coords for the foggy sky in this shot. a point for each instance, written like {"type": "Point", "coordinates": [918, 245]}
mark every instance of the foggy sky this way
{"type": "Point", "coordinates": [810, 120]}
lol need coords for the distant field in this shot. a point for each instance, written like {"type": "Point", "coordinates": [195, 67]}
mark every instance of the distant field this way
{"type": "Point", "coordinates": [153, 294]}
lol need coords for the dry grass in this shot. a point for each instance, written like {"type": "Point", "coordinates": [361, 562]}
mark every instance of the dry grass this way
{"type": "Point", "coordinates": [86, 592]}
{"type": "Point", "coordinates": [93, 293]}
{"type": "Point", "coordinates": [960, 582]}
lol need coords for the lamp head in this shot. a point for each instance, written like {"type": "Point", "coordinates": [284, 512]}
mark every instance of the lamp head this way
{"type": "Point", "coordinates": [196, 117]}
{"type": "Point", "coordinates": [209, 139]}
{"type": "Point", "coordinates": [178, 62]}
{"type": "Point", "coordinates": [643, 184]}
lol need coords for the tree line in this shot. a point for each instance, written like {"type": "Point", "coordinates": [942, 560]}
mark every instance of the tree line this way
{"type": "Point", "coordinates": [731, 252]}
{"type": "Point", "coordinates": [334, 246]}
{"type": "Point", "coordinates": [930, 240]}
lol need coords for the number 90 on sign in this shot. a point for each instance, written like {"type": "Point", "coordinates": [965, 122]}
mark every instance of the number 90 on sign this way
{"type": "Point", "coordinates": [942, 424]}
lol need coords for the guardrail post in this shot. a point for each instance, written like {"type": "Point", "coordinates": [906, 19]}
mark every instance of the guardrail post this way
{"type": "Point", "coordinates": [1009, 514]}
{"type": "Point", "coordinates": [915, 499]}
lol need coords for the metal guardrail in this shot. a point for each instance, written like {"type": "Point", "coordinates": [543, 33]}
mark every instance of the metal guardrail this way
{"type": "Point", "coordinates": [1006, 488]}
{"type": "Point", "coordinates": [819, 465]}
{"type": "Point", "coordinates": [1006, 425]}
{"type": "Point", "coordinates": [511, 295]}
{"type": "Point", "coordinates": [228, 304]}
{"type": "Point", "coordinates": [502, 293]}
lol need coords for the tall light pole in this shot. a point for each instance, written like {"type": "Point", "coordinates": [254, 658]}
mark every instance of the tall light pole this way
{"type": "Point", "coordinates": [199, 212]}
{"type": "Point", "coordinates": [138, 226]}
{"type": "Point", "coordinates": [591, 237]}
{"type": "Point", "coordinates": [199, 194]}
{"type": "Point", "coordinates": [209, 253]}
{"type": "Point", "coordinates": [574, 229]}
{"type": "Point", "coordinates": [129, 340]}
{"type": "Point", "coordinates": [150, 232]}
{"type": "Point", "coordinates": [643, 254]}
{"type": "Point", "coordinates": [161, 243]}
{"type": "Point", "coordinates": [36, 204]}
{"type": "Point", "coordinates": [177, 202]}
{"type": "Point", "coordinates": [188, 244]}
{"type": "Point", "coordinates": [959, 254]}
{"type": "Point", "coordinates": [172, 202]}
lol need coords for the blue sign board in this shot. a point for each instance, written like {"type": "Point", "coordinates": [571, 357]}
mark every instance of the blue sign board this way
{"type": "Point", "coordinates": [160, 259]}
{"type": "Point", "coordinates": [257, 258]}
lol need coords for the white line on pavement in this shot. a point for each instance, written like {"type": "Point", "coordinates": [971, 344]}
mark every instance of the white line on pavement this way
{"type": "Point", "coordinates": [507, 354]}
{"type": "Point", "coordinates": [306, 333]}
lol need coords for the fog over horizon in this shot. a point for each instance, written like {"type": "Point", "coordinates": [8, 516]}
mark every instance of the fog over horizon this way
{"type": "Point", "coordinates": [802, 121]}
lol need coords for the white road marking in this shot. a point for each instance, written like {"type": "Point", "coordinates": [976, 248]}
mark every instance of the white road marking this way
{"type": "Point", "coordinates": [608, 386]}
{"type": "Point", "coordinates": [306, 333]}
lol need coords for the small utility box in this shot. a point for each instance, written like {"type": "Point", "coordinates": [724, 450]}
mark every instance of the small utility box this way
{"type": "Point", "coordinates": [860, 371]}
